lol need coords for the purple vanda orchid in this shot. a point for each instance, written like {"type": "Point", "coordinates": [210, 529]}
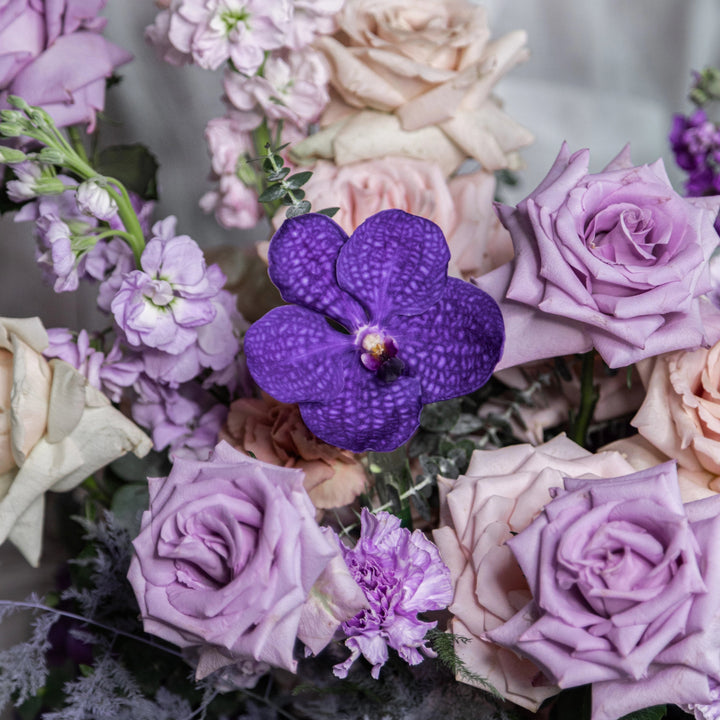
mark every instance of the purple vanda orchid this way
{"type": "Point", "coordinates": [376, 329]}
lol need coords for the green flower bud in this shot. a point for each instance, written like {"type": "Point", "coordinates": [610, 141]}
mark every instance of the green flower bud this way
{"type": "Point", "coordinates": [49, 186]}
{"type": "Point", "coordinates": [10, 129]}
{"type": "Point", "coordinates": [11, 155]}
{"type": "Point", "coordinates": [52, 156]}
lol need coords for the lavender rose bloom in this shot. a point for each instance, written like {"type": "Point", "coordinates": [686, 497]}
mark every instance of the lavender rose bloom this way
{"type": "Point", "coordinates": [226, 558]}
{"type": "Point", "coordinates": [45, 48]}
{"type": "Point", "coordinates": [624, 581]}
{"type": "Point", "coordinates": [617, 261]}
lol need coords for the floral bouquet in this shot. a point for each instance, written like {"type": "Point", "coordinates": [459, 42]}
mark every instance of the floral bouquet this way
{"type": "Point", "coordinates": [419, 453]}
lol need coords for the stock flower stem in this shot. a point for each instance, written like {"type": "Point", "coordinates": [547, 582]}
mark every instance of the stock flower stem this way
{"type": "Point", "coordinates": [588, 399]}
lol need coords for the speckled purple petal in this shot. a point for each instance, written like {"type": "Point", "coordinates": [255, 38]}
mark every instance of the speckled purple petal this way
{"type": "Point", "coordinates": [301, 259]}
{"type": "Point", "coordinates": [394, 263]}
{"type": "Point", "coordinates": [367, 414]}
{"type": "Point", "coordinates": [453, 347]}
{"type": "Point", "coordinates": [294, 355]}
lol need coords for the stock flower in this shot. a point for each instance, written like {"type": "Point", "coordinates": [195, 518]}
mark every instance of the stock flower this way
{"type": "Point", "coordinates": [292, 87]}
{"type": "Point", "coordinates": [209, 32]}
{"type": "Point", "coordinates": [185, 420]}
{"type": "Point", "coordinates": [275, 433]}
{"type": "Point", "coordinates": [615, 260]}
{"type": "Point", "coordinates": [402, 575]}
{"type": "Point", "coordinates": [623, 580]}
{"type": "Point", "coordinates": [94, 200]}
{"type": "Point", "coordinates": [110, 373]}
{"type": "Point", "coordinates": [52, 55]}
{"type": "Point", "coordinates": [227, 557]}
{"type": "Point", "coordinates": [402, 334]}
{"type": "Point", "coordinates": [500, 494]}
{"type": "Point", "coordinates": [174, 310]}
{"type": "Point", "coordinates": [414, 78]}
{"type": "Point", "coordinates": [55, 431]}
{"type": "Point", "coordinates": [461, 206]}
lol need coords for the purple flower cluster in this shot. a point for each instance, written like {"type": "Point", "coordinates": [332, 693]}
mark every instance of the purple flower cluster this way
{"type": "Point", "coordinates": [111, 372]}
{"type": "Point", "coordinates": [186, 420]}
{"type": "Point", "coordinates": [695, 141]}
{"type": "Point", "coordinates": [401, 574]}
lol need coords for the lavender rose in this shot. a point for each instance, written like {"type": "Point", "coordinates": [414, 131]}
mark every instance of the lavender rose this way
{"type": "Point", "coordinates": [617, 261]}
{"type": "Point", "coordinates": [45, 50]}
{"type": "Point", "coordinates": [226, 559]}
{"type": "Point", "coordinates": [624, 581]}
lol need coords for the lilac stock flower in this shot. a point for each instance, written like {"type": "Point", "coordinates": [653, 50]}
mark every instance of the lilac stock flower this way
{"type": "Point", "coordinates": [695, 141]}
{"type": "Point", "coordinates": [110, 373]}
{"type": "Point", "coordinates": [401, 574]}
{"type": "Point", "coordinates": [624, 580]}
{"type": "Point", "coordinates": [174, 310]}
{"type": "Point", "coordinates": [186, 420]}
{"type": "Point", "coordinates": [400, 333]}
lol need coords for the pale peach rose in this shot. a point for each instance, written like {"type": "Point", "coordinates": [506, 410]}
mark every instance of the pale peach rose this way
{"type": "Point", "coordinates": [462, 207]}
{"type": "Point", "coordinates": [55, 431]}
{"type": "Point", "coordinates": [275, 433]}
{"type": "Point", "coordinates": [501, 493]}
{"type": "Point", "coordinates": [680, 415]}
{"type": "Point", "coordinates": [551, 399]}
{"type": "Point", "coordinates": [431, 66]}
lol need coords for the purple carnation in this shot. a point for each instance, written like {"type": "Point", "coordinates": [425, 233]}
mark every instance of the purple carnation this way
{"type": "Point", "coordinates": [377, 331]}
{"type": "Point", "coordinates": [401, 574]}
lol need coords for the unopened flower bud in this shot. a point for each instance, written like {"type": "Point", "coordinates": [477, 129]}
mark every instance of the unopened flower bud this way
{"type": "Point", "coordinates": [94, 200]}
{"type": "Point", "coordinates": [11, 155]}
{"type": "Point", "coordinates": [52, 156]}
{"type": "Point", "coordinates": [24, 187]}
{"type": "Point", "coordinates": [50, 186]}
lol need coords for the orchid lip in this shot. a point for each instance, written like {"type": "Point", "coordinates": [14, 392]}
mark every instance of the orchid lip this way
{"type": "Point", "coordinates": [379, 353]}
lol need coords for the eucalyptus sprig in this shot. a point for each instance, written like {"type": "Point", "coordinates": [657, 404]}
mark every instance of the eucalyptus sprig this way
{"type": "Point", "coordinates": [284, 188]}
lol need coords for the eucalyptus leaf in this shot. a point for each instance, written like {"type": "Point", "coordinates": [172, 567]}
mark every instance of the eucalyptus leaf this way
{"type": "Point", "coordinates": [301, 208]}
{"type": "Point", "coordinates": [657, 712]}
{"type": "Point", "coordinates": [128, 505]}
{"type": "Point", "coordinates": [298, 179]}
{"type": "Point", "coordinates": [272, 193]}
{"type": "Point", "coordinates": [440, 416]}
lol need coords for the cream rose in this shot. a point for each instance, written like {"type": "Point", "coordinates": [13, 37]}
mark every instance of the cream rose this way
{"type": "Point", "coordinates": [55, 430]}
{"type": "Point", "coordinates": [462, 206]}
{"type": "Point", "coordinates": [501, 493]}
{"type": "Point", "coordinates": [414, 78]}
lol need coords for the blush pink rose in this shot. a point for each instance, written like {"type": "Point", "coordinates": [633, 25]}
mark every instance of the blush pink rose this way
{"type": "Point", "coordinates": [275, 433]}
{"type": "Point", "coordinates": [431, 67]}
{"type": "Point", "coordinates": [461, 206]}
{"type": "Point", "coordinates": [680, 416]}
{"type": "Point", "coordinates": [615, 261]}
{"type": "Point", "coordinates": [501, 493]}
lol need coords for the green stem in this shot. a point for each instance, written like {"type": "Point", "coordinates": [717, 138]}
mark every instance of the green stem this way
{"type": "Point", "coordinates": [129, 218]}
{"type": "Point", "coordinates": [588, 399]}
{"type": "Point", "coordinates": [391, 471]}
{"type": "Point", "coordinates": [76, 142]}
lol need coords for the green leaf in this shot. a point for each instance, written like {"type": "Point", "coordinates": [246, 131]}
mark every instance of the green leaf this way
{"type": "Point", "coordinates": [133, 165]}
{"type": "Point", "coordinates": [128, 505]}
{"type": "Point", "coordinates": [301, 208]}
{"type": "Point", "coordinates": [657, 712]}
{"type": "Point", "coordinates": [272, 193]}
{"type": "Point", "coordinates": [440, 416]}
{"type": "Point", "coordinates": [298, 179]}
{"type": "Point", "coordinates": [279, 175]}
{"type": "Point", "coordinates": [330, 212]}
{"type": "Point", "coordinates": [297, 196]}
